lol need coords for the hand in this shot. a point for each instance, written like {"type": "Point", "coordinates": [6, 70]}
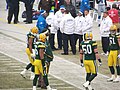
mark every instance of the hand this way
{"type": "Point", "coordinates": [33, 56]}
{"type": "Point", "coordinates": [82, 65]}
{"type": "Point", "coordinates": [100, 64]}
{"type": "Point", "coordinates": [118, 56]}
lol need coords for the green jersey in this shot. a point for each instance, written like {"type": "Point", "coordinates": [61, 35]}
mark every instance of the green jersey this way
{"type": "Point", "coordinates": [48, 52]}
{"type": "Point", "coordinates": [113, 45]}
{"type": "Point", "coordinates": [29, 35]}
{"type": "Point", "coordinates": [38, 46]}
{"type": "Point", "coordinates": [88, 49]}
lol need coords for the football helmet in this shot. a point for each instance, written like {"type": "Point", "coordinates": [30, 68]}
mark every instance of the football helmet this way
{"type": "Point", "coordinates": [88, 36]}
{"type": "Point", "coordinates": [34, 30]}
{"type": "Point", "coordinates": [113, 29]}
{"type": "Point", "coordinates": [42, 37]}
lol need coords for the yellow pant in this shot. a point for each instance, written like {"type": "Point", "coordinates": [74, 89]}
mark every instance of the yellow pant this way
{"type": "Point", "coordinates": [112, 58]}
{"type": "Point", "coordinates": [29, 55]}
{"type": "Point", "coordinates": [38, 67]}
{"type": "Point", "coordinates": [90, 66]}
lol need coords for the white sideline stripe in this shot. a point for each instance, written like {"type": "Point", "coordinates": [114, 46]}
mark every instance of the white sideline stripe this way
{"type": "Point", "coordinates": [79, 65]}
{"type": "Point", "coordinates": [18, 89]}
{"type": "Point", "coordinates": [52, 74]}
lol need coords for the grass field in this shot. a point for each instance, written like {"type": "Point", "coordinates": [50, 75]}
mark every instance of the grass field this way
{"type": "Point", "coordinates": [75, 59]}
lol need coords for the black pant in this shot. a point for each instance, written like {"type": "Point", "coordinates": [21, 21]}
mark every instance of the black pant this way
{"type": "Point", "coordinates": [67, 37]}
{"type": "Point", "coordinates": [28, 7]}
{"type": "Point", "coordinates": [51, 40]}
{"type": "Point", "coordinates": [78, 37]}
{"type": "Point", "coordinates": [59, 39]}
{"type": "Point", "coordinates": [105, 44]}
{"type": "Point", "coordinates": [13, 10]}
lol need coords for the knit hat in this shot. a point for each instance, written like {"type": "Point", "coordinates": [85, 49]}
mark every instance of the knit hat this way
{"type": "Point", "coordinates": [42, 12]}
{"type": "Point", "coordinates": [62, 7]}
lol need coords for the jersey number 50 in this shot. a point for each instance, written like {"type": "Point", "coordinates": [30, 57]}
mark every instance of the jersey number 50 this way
{"type": "Point", "coordinates": [87, 49]}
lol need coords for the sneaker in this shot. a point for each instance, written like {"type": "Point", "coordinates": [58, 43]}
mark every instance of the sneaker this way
{"type": "Point", "coordinates": [23, 73]}
{"type": "Point", "coordinates": [32, 76]}
{"type": "Point", "coordinates": [86, 84]}
{"type": "Point", "coordinates": [49, 88]}
{"type": "Point", "coordinates": [34, 87]}
{"type": "Point", "coordinates": [117, 79]}
{"type": "Point", "coordinates": [111, 79]}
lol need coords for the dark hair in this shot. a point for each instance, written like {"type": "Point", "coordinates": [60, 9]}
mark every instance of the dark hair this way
{"type": "Point", "coordinates": [67, 11]}
{"type": "Point", "coordinates": [86, 10]}
{"type": "Point", "coordinates": [114, 6]}
{"type": "Point", "coordinates": [106, 12]}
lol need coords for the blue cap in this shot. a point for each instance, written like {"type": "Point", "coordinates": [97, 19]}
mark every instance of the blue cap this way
{"type": "Point", "coordinates": [42, 12]}
{"type": "Point", "coordinates": [51, 11]}
{"type": "Point", "coordinates": [62, 7]}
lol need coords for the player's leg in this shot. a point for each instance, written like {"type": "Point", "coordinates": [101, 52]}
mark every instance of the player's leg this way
{"type": "Point", "coordinates": [110, 64]}
{"type": "Point", "coordinates": [116, 64]}
{"type": "Point", "coordinates": [86, 65]}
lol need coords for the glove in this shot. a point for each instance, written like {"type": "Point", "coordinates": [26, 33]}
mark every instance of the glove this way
{"type": "Point", "coordinates": [100, 64]}
{"type": "Point", "coordinates": [33, 56]}
{"type": "Point", "coordinates": [82, 65]}
{"type": "Point", "coordinates": [118, 56]}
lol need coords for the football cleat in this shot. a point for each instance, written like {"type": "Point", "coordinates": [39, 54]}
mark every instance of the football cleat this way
{"type": "Point", "coordinates": [49, 88]}
{"type": "Point", "coordinates": [117, 79]}
{"type": "Point", "coordinates": [111, 79]}
{"type": "Point", "coordinates": [34, 87]}
{"type": "Point", "coordinates": [86, 84]}
{"type": "Point", "coordinates": [32, 76]}
{"type": "Point", "coordinates": [23, 73]}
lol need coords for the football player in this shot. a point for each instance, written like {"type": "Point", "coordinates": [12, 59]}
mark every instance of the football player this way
{"type": "Point", "coordinates": [40, 67]}
{"type": "Point", "coordinates": [31, 39]}
{"type": "Point", "coordinates": [113, 54]}
{"type": "Point", "coordinates": [88, 48]}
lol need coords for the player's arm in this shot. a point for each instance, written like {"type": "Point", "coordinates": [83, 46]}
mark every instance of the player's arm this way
{"type": "Point", "coordinates": [30, 41]}
{"type": "Point", "coordinates": [97, 54]}
{"type": "Point", "coordinates": [41, 53]}
{"type": "Point", "coordinates": [81, 55]}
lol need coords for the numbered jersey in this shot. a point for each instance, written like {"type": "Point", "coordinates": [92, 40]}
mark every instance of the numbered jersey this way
{"type": "Point", "coordinates": [113, 42]}
{"type": "Point", "coordinates": [88, 49]}
{"type": "Point", "coordinates": [38, 46]}
{"type": "Point", "coordinates": [29, 35]}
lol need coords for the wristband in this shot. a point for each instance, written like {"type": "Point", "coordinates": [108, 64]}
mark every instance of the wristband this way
{"type": "Point", "coordinates": [81, 60]}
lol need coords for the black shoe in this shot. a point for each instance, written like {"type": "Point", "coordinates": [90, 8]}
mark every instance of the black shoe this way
{"type": "Point", "coordinates": [28, 23]}
{"type": "Point", "coordinates": [64, 53]}
{"type": "Point", "coordinates": [9, 22]}
{"type": "Point", "coordinates": [25, 21]}
{"type": "Point", "coordinates": [59, 48]}
{"type": "Point", "coordinates": [15, 22]}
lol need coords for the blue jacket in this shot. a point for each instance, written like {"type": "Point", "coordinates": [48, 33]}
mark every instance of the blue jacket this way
{"type": "Point", "coordinates": [84, 5]}
{"type": "Point", "coordinates": [41, 23]}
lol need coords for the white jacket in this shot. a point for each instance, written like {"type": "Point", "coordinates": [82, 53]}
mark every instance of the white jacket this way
{"type": "Point", "coordinates": [59, 15]}
{"type": "Point", "coordinates": [88, 24]}
{"type": "Point", "coordinates": [67, 25]}
{"type": "Point", "coordinates": [79, 25]}
{"type": "Point", "coordinates": [105, 26]}
{"type": "Point", "coordinates": [51, 20]}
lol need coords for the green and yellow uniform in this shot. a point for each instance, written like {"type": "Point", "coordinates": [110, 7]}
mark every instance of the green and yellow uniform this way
{"type": "Point", "coordinates": [113, 48]}
{"type": "Point", "coordinates": [89, 55]}
{"type": "Point", "coordinates": [30, 35]}
{"type": "Point", "coordinates": [39, 64]}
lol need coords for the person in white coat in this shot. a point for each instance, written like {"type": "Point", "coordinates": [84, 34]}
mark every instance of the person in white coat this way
{"type": "Point", "coordinates": [51, 21]}
{"type": "Point", "coordinates": [79, 25]}
{"type": "Point", "coordinates": [59, 15]}
{"type": "Point", "coordinates": [105, 25]}
{"type": "Point", "coordinates": [88, 25]}
{"type": "Point", "coordinates": [67, 27]}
